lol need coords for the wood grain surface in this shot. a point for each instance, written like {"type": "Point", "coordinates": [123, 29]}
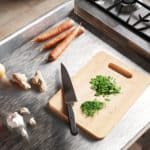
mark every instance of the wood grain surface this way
{"type": "Point", "coordinates": [100, 125]}
{"type": "Point", "coordinates": [17, 13]}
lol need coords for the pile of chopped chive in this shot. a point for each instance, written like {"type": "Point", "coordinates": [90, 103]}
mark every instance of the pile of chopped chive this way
{"type": "Point", "coordinates": [104, 85]}
{"type": "Point", "coordinates": [89, 108]}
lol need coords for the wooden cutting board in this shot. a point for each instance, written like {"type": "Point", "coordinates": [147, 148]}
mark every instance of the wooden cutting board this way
{"type": "Point", "coordinates": [104, 120]}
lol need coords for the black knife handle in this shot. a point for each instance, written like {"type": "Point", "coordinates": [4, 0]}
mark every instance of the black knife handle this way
{"type": "Point", "coordinates": [73, 127]}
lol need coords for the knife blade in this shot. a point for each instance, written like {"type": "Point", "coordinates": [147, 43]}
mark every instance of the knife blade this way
{"type": "Point", "coordinates": [69, 98]}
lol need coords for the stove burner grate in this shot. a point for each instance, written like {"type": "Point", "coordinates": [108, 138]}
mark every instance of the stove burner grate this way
{"type": "Point", "coordinates": [127, 8]}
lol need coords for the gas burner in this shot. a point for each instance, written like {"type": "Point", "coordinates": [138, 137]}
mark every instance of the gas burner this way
{"type": "Point", "coordinates": [132, 14]}
{"type": "Point", "coordinates": [127, 2]}
{"type": "Point", "coordinates": [126, 6]}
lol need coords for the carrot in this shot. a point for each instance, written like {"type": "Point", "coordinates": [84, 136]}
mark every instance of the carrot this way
{"type": "Point", "coordinates": [60, 37]}
{"type": "Point", "coordinates": [56, 52]}
{"type": "Point", "coordinates": [54, 31]}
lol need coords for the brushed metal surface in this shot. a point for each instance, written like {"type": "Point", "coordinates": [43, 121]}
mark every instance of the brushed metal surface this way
{"type": "Point", "coordinates": [18, 54]}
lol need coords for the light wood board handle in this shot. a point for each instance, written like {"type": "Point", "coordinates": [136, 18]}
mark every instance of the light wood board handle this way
{"type": "Point", "coordinates": [120, 70]}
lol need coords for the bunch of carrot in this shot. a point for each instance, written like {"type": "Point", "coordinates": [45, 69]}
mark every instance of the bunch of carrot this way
{"type": "Point", "coordinates": [59, 36]}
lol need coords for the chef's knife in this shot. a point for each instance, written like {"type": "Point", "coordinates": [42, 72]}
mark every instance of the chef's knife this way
{"type": "Point", "coordinates": [69, 98]}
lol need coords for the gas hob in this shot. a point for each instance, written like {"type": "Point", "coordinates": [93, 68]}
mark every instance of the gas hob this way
{"type": "Point", "coordinates": [126, 22]}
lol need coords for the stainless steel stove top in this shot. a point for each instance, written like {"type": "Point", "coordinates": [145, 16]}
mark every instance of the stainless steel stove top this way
{"type": "Point", "coordinates": [126, 22]}
{"type": "Point", "coordinates": [134, 14]}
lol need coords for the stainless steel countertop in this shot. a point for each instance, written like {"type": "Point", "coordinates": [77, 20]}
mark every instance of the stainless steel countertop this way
{"type": "Point", "coordinates": [19, 55]}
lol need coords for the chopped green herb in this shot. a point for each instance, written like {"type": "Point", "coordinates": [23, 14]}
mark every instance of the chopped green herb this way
{"type": "Point", "coordinates": [89, 108]}
{"type": "Point", "coordinates": [107, 99]}
{"type": "Point", "coordinates": [104, 85]}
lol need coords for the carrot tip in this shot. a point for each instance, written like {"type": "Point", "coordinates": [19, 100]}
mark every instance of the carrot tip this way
{"type": "Point", "coordinates": [50, 59]}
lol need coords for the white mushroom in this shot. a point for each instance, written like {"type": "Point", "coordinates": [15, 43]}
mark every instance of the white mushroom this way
{"type": "Point", "coordinates": [21, 80]}
{"type": "Point", "coordinates": [32, 122]}
{"type": "Point", "coordinates": [24, 111]}
{"type": "Point", "coordinates": [16, 122]}
{"type": "Point", "coordinates": [39, 82]}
